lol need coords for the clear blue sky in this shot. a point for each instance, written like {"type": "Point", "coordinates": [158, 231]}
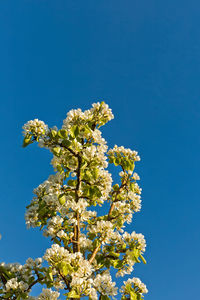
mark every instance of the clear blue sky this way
{"type": "Point", "coordinates": [143, 59]}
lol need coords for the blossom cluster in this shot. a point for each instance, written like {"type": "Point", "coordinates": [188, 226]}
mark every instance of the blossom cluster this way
{"type": "Point", "coordinates": [123, 152]}
{"type": "Point", "coordinates": [104, 229]}
{"type": "Point", "coordinates": [35, 127]}
{"type": "Point", "coordinates": [100, 113]}
{"type": "Point", "coordinates": [46, 201]}
{"type": "Point", "coordinates": [136, 238]}
{"type": "Point", "coordinates": [18, 278]}
{"type": "Point", "coordinates": [103, 283]}
{"type": "Point", "coordinates": [47, 294]}
{"type": "Point", "coordinates": [14, 284]}
{"type": "Point", "coordinates": [73, 265]}
{"type": "Point", "coordinates": [134, 286]}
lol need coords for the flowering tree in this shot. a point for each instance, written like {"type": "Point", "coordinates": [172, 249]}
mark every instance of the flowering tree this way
{"type": "Point", "coordinates": [85, 246]}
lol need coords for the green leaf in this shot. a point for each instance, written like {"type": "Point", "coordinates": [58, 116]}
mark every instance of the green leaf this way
{"type": "Point", "coordinates": [8, 295]}
{"type": "Point", "coordinates": [132, 186]}
{"type": "Point", "coordinates": [117, 263]}
{"type": "Point", "coordinates": [84, 165]}
{"type": "Point", "coordinates": [67, 174]}
{"type": "Point", "coordinates": [133, 295]}
{"type": "Point", "coordinates": [116, 187]}
{"type": "Point", "coordinates": [57, 241]}
{"type": "Point", "coordinates": [56, 151]}
{"type": "Point", "coordinates": [132, 165]}
{"type": "Point", "coordinates": [139, 297]}
{"type": "Point", "coordinates": [62, 199]}
{"type": "Point", "coordinates": [124, 246]}
{"type": "Point", "coordinates": [114, 254]}
{"type": "Point", "coordinates": [96, 243]}
{"type": "Point", "coordinates": [53, 133]}
{"type": "Point", "coordinates": [111, 159]}
{"type": "Point", "coordinates": [74, 131]}
{"type": "Point", "coordinates": [63, 133]}
{"type": "Point", "coordinates": [95, 173]}
{"type": "Point", "coordinates": [143, 259]}
{"type": "Point", "coordinates": [94, 192]}
{"type": "Point", "coordinates": [27, 141]}
{"type": "Point", "coordinates": [88, 174]}
{"type": "Point", "coordinates": [66, 143]}
{"type": "Point", "coordinates": [86, 129]}
{"type": "Point", "coordinates": [66, 268]}
{"type": "Point", "coordinates": [91, 236]}
{"type": "Point", "coordinates": [73, 294]}
{"type": "Point", "coordinates": [117, 161]}
{"type": "Point", "coordinates": [49, 273]}
{"type": "Point", "coordinates": [134, 254]}
{"type": "Point", "coordinates": [104, 297]}
{"type": "Point", "coordinates": [72, 182]}
{"type": "Point", "coordinates": [126, 164]}
{"type": "Point", "coordinates": [59, 168]}
{"type": "Point", "coordinates": [86, 191]}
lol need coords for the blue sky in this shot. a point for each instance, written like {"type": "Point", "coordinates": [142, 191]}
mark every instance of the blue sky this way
{"type": "Point", "coordinates": [143, 59]}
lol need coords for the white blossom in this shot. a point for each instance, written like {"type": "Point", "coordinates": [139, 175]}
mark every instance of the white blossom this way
{"type": "Point", "coordinates": [103, 283]}
{"type": "Point", "coordinates": [138, 285]}
{"type": "Point", "coordinates": [36, 127]}
{"type": "Point", "coordinates": [48, 294]}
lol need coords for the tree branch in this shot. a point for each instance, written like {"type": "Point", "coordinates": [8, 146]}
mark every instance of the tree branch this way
{"type": "Point", "coordinates": [108, 218]}
{"type": "Point", "coordinates": [69, 149]}
{"type": "Point", "coordinates": [76, 244]}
